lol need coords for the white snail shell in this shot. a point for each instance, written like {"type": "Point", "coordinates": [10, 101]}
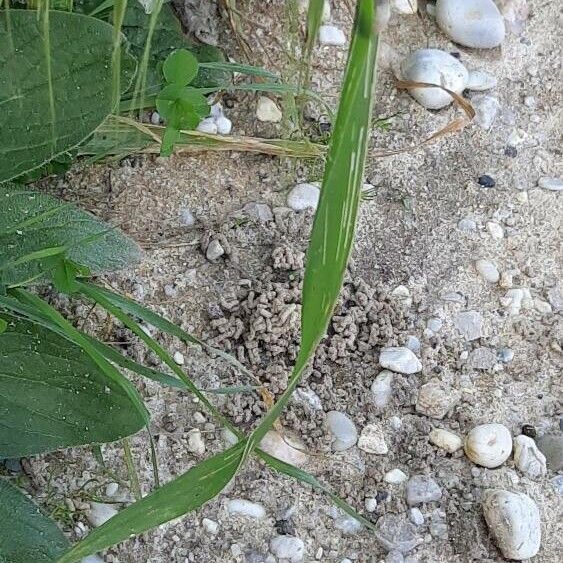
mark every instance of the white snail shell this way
{"type": "Point", "coordinates": [488, 445]}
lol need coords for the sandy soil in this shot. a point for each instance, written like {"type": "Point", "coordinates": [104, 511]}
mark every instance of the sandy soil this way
{"type": "Point", "coordinates": [408, 235]}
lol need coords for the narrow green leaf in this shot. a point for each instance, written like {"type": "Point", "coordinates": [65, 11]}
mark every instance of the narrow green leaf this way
{"type": "Point", "coordinates": [335, 218]}
{"type": "Point", "coordinates": [174, 499]}
{"type": "Point", "coordinates": [180, 67]}
{"type": "Point", "coordinates": [3, 325]}
{"type": "Point", "coordinates": [52, 395]}
{"type": "Point", "coordinates": [26, 535]}
{"type": "Point", "coordinates": [57, 87]}
{"type": "Point", "coordinates": [241, 68]}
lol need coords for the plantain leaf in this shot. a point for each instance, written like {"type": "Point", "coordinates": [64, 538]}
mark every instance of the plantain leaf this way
{"type": "Point", "coordinates": [27, 535]}
{"type": "Point", "coordinates": [52, 395]}
{"type": "Point", "coordinates": [178, 497]}
{"type": "Point", "coordinates": [56, 87]}
{"type": "Point", "coordinates": [34, 227]}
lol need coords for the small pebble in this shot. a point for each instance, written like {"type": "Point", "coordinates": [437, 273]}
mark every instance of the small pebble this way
{"type": "Point", "coordinates": [395, 476]}
{"type": "Point", "coordinates": [187, 218]}
{"type": "Point", "coordinates": [395, 532]}
{"type": "Point", "coordinates": [304, 196]}
{"type": "Point", "coordinates": [245, 507]}
{"type": "Point", "coordinates": [155, 118]}
{"type": "Point", "coordinates": [224, 125]}
{"type": "Point", "coordinates": [470, 325]}
{"type": "Point", "coordinates": [179, 358]}
{"type": "Point", "coordinates": [381, 389]}
{"type": "Point", "coordinates": [288, 548]}
{"type": "Point", "coordinates": [394, 557]}
{"type": "Point", "coordinates": [400, 360]}
{"type": "Point", "coordinates": [342, 429]}
{"type": "Point", "coordinates": [92, 559]}
{"type": "Point", "coordinates": [486, 181]}
{"type": "Point", "coordinates": [511, 152]}
{"type": "Point", "coordinates": [111, 489]}
{"type": "Point", "coordinates": [308, 397]}
{"type": "Point", "coordinates": [207, 125]}
{"type": "Point", "coordinates": [551, 446]}
{"type": "Point", "coordinates": [268, 111]}
{"type": "Point", "coordinates": [422, 489]}
{"type": "Point", "coordinates": [514, 522]}
{"type": "Point", "coordinates": [487, 270]}
{"type": "Point", "coordinates": [214, 250]}
{"type": "Point", "coordinates": [467, 225]}
{"type": "Point", "coordinates": [557, 483]}
{"type": "Point", "coordinates": [331, 35]}
{"type": "Point", "coordinates": [446, 440]}
{"type": "Point", "coordinates": [288, 447]}
{"type": "Point", "coordinates": [495, 230]}
{"type": "Point", "coordinates": [436, 398]}
{"type": "Point", "coordinates": [100, 513]}
{"type": "Point", "coordinates": [482, 358]}
{"type": "Point", "coordinates": [406, 7]}
{"type": "Point", "coordinates": [528, 458]}
{"type": "Point", "coordinates": [480, 80]}
{"type": "Point", "coordinates": [487, 109]}
{"type": "Point", "coordinates": [370, 504]}
{"type": "Point", "coordinates": [488, 445]}
{"type": "Point", "coordinates": [472, 23]}
{"type": "Point", "coordinates": [551, 184]}
{"type": "Point", "coordinates": [413, 343]}
{"type": "Point", "coordinates": [434, 324]}
{"type": "Point", "coordinates": [505, 355]}
{"type": "Point", "coordinates": [210, 526]}
{"type": "Point", "coordinates": [434, 66]}
{"type": "Point", "coordinates": [372, 440]}
{"type": "Point", "coordinates": [347, 525]}
{"type": "Point", "coordinates": [196, 445]}
{"type": "Point", "coordinates": [416, 517]}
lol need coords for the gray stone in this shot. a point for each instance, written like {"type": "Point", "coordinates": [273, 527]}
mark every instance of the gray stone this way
{"type": "Point", "coordinates": [467, 225]}
{"type": "Point", "coordinates": [416, 517]}
{"type": "Point", "coordinates": [473, 23]}
{"type": "Point", "coordinates": [505, 355]}
{"type": "Point", "coordinates": [436, 398]}
{"type": "Point", "coordinates": [381, 389]}
{"type": "Point", "coordinates": [304, 196]}
{"type": "Point", "coordinates": [259, 211]}
{"type": "Point", "coordinates": [343, 430]}
{"type": "Point", "coordinates": [395, 532]}
{"type": "Point", "coordinates": [288, 548]}
{"type": "Point", "coordinates": [551, 184]}
{"type": "Point", "coordinates": [214, 250]}
{"type": "Point", "coordinates": [434, 324]}
{"type": "Point", "coordinates": [331, 35]}
{"type": "Point", "coordinates": [372, 440]}
{"type": "Point", "coordinates": [486, 110]}
{"type": "Point", "coordinates": [347, 525]}
{"type": "Point", "coordinates": [482, 358]}
{"type": "Point", "coordinates": [487, 270]}
{"type": "Point", "coordinates": [528, 458]}
{"type": "Point", "coordinates": [555, 297]}
{"type": "Point", "coordinates": [399, 359]}
{"type": "Point", "coordinates": [421, 489]}
{"type": "Point", "coordinates": [551, 446]}
{"type": "Point", "coordinates": [187, 218]}
{"type": "Point", "coordinates": [439, 530]}
{"type": "Point", "coordinates": [413, 343]}
{"type": "Point", "coordinates": [470, 325]}
{"type": "Point", "coordinates": [394, 557]}
{"type": "Point", "coordinates": [100, 513]}
{"type": "Point", "coordinates": [245, 507]}
{"type": "Point", "coordinates": [434, 66]}
{"type": "Point", "coordinates": [557, 483]}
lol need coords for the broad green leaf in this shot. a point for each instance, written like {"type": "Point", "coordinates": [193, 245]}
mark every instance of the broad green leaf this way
{"type": "Point", "coordinates": [57, 85]}
{"type": "Point", "coordinates": [26, 535]}
{"type": "Point", "coordinates": [180, 67]}
{"type": "Point", "coordinates": [52, 395]}
{"type": "Point", "coordinates": [34, 225]}
{"type": "Point", "coordinates": [174, 499]}
{"type": "Point", "coordinates": [181, 107]}
{"type": "Point", "coordinates": [335, 219]}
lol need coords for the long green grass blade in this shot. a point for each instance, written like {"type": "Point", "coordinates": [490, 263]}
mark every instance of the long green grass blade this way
{"type": "Point", "coordinates": [314, 19]}
{"type": "Point", "coordinates": [335, 218]}
{"type": "Point", "coordinates": [174, 499]}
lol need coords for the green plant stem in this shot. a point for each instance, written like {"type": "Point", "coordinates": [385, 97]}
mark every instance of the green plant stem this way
{"type": "Point", "coordinates": [131, 469]}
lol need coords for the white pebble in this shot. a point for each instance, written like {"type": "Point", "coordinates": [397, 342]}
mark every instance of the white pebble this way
{"type": "Point", "coordinates": [495, 230]}
{"type": "Point", "coordinates": [395, 476]}
{"type": "Point", "coordinates": [288, 447]}
{"type": "Point", "coordinates": [372, 440]}
{"type": "Point", "coordinates": [486, 110]}
{"type": "Point", "coordinates": [224, 125]}
{"type": "Point", "coordinates": [470, 325]}
{"type": "Point", "coordinates": [516, 299]}
{"type": "Point", "coordinates": [399, 359]}
{"type": "Point", "coordinates": [304, 196]}
{"type": "Point", "coordinates": [370, 504]}
{"type": "Point", "coordinates": [416, 517]}
{"type": "Point", "coordinates": [514, 521]}
{"type": "Point", "coordinates": [245, 507]}
{"type": "Point", "coordinates": [196, 445]}
{"type": "Point", "coordinates": [207, 125]}
{"type": "Point", "coordinates": [111, 489]}
{"type": "Point", "coordinates": [381, 389]}
{"type": "Point", "coordinates": [268, 111]}
{"type": "Point", "coordinates": [348, 525]}
{"type": "Point", "coordinates": [187, 218]}
{"type": "Point", "coordinates": [434, 67]}
{"type": "Point", "coordinates": [155, 118]}
{"type": "Point", "coordinates": [179, 358]}
{"type": "Point", "coordinates": [473, 23]}
{"type": "Point", "coordinates": [406, 7]}
{"type": "Point", "coordinates": [210, 526]}
{"type": "Point", "coordinates": [343, 430]}
{"type": "Point", "coordinates": [481, 80]}
{"type": "Point", "coordinates": [552, 184]}
{"type": "Point", "coordinates": [100, 513]}
{"type": "Point", "coordinates": [288, 548]}
{"type": "Point", "coordinates": [487, 270]}
{"type": "Point", "coordinates": [488, 445]}
{"type": "Point", "coordinates": [214, 250]}
{"type": "Point", "coordinates": [528, 458]}
{"type": "Point", "coordinates": [402, 293]}
{"type": "Point", "coordinates": [446, 440]}
{"type": "Point", "coordinates": [331, 35]}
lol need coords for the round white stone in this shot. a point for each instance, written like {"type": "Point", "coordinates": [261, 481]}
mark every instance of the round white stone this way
{"type": "Point", "coordinates": [395, 476]}
{"type": "Point", "coordinates": [488, 445]}
{"type": "Point", "coordinates": [331, 35]}
{"type": "Point", "coordinates": [400, 360]}
{"type": "Point", "coordinates": [268, 111]}
{"type": "Point", "coordinates": [434, 67]}
{"type": "Point", "coordinates": [514, 521]}
{"type": "Point", "coordinates": [179, 358]}
{"type": "Point", "coordinates": [304, 196]}
{"type": "Point", "coordinates": [224, 125]}
{"type": "Point", "coordinates": [343, 430]}
{"type": "Point", "coordinates": [473, 23]}
{"type": "Point", "coordinates": [245, 507]}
